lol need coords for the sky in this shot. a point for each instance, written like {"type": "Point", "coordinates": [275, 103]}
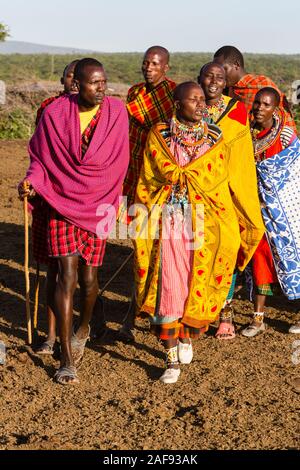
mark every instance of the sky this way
{"type": "Point", "coordinates": [134, 25]}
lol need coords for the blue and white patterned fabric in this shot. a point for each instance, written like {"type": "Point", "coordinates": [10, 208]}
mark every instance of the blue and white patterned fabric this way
{"type": "Point", "coordinates": [279, 191]}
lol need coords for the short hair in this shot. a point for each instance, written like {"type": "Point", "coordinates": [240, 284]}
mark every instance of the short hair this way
{"type": "Point", "coordinates": [271, 91]}
{"type": "Point", "coordinates": [161, 50]}
{"type": "Point", "coordinates": [82, 64]}
{"type": "Point", "coordinates": [180, 89]}
{"type": "Point", "coordinates": [208, 64]}
{"type": "Point", "coordinates": [231, 55]}
{"type": "Point", "coordinates": [68, 65]}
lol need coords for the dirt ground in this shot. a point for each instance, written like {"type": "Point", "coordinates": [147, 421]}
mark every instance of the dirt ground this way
{"type": "Point", "coordinates": [235, 394]}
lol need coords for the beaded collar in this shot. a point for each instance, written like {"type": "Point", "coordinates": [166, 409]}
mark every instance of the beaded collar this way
{"type": "Point", "coordinates": [214, 111]}
{"type": "Point", "coordinates": [261, 144]}
{"type": "Point", "coordinates": [191, 138]}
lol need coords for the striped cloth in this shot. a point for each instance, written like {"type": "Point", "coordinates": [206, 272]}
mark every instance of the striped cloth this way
{"type": "Point", "coordinates": [246, 89]}
{"type": "Point", "coordinates": [176, 329]}
{"type": "Point", "coordinates": [39, 231]}
{"type": "Point", "coordinates": [145, 108]}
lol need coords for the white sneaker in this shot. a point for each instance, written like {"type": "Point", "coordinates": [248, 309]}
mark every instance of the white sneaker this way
{"type": "Point", "coordinates": [185, 352]}
{"type": "Point", "coordinates": [295, 328]}
{"type": "Point", "coordinates": [170, 376]}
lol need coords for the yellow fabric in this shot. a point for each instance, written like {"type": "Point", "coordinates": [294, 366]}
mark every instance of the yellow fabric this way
{"type": "Point", "coordinates": [242, 180]}
{"type": "Point", "coordinates": [85, 118]}
{"type": "Point", "coordinates": [213, 261]}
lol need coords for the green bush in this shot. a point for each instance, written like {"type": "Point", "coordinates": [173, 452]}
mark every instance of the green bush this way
{"type": "Point", "coordinates": [16, 124]}
{"type": "Point", "coordinates": [126, 67]}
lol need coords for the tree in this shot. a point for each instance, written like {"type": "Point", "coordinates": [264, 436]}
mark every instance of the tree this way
{"type": "Point", "coordinates": [4, 32]}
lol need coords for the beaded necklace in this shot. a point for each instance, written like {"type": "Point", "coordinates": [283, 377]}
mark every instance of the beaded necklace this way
{"type": "Point", "coordinates": [261, 144]}
{"type": "Point", "coordinates": [191, 138]}
{"type": "Point", "coordinates": [214, 111]}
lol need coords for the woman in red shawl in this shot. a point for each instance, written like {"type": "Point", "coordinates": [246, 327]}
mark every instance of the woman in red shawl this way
{"type": "Point", "coordinates": [270, 136]}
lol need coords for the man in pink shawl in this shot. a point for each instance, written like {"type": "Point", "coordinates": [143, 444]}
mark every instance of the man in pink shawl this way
{"type": "Point", "coordinates": [79, 156]}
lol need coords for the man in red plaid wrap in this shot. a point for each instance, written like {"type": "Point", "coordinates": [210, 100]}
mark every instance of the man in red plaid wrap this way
{"type": "Point", "coordinates": [148, 103]}
{"type": "Point", "coordinates": [244, 86]}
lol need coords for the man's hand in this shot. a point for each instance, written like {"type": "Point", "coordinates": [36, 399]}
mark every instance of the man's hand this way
{"type": "Point", "coordinates": [25, 189]}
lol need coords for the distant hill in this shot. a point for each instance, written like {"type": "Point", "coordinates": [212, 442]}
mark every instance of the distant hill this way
{"type": "Point", "coordinates": [20, 47]}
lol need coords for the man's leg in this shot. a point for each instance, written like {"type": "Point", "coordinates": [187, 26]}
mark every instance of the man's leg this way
{"type": "Point", "coordinates": [51, 285]}
{"type": "Point", "coordinates": [63, 301]}
{"type": "Point", "coordinates": [89, 289]}
{"type": "Point", "coordinates": [88, 293]}
{"type": "Point", "coordinates": [47, 346]}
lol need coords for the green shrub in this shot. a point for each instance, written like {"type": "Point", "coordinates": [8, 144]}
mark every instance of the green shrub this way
{"type": "Point", "coordinates": [16, 124]}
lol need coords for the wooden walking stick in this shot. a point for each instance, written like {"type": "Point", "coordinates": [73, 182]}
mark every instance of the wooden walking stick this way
{"type": "Point", "coordinates": [27, 281]}
{"type": "Point", "coordinates": [36, 296]}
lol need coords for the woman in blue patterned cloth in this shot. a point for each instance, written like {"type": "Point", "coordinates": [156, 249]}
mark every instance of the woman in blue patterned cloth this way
{"type": "Point", "coordinates": [276, 149]}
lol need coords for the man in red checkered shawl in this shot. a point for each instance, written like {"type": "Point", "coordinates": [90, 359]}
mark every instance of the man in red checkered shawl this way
{"type": "Point", "coordinates": [148, 103]}
{"type": "Point", "coordinates": [244, 86]}
{"type": "Point", "coordinates": [79, 156]}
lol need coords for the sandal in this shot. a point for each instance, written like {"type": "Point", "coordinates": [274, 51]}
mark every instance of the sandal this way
{"type": "Point", "coordinates": [77, 346]}
{"type": "Point", "coordinates": [253, 329]}
{"type": "Point", "coordinates": [295, 329]}
{"type": "Point", "coordinates": [66, 372]}
{"type": "Point", "coordinates": [225, 331]}
{"type": "Point", "coordinates": [47, 347]}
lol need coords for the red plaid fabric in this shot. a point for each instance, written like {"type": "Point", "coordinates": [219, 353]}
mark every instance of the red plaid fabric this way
{"type": "Point", "coordinates": [145, 109]}
{"type": "Point", "coordinates": [39, 230]}
{"type": "Point", "coordinates": [250, 84]}
{"type": "Point", "coordinates": [176, 329]}
{"type": "Point", "coordinates": [65, 239]}
{"type": "Point", "coordinates": [44, 105]}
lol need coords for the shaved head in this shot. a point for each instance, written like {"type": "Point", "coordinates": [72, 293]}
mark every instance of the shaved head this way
{"type": "Point", "coordinates": [208, 66]}
{"type": "Point", "coordinates": [83, 65]}
{"type": "Point", "coordinates": [71, 66]}
{"type": "Point", "coordinates": [189, 103]}
{"type": "Point", "coordinates": [271, 92]}
{"type": "Point", "coordinates": [230, 55]}
{"type": "Point", "coordinates": [182, 90]}
{"type": "Point", "coordinates": [155, 65]}
{"type": "Point", "coordinates": [159, 50]}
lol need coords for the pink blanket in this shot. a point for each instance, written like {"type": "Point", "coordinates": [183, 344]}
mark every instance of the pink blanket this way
{"type": "Point", "coordinates": [77, 187]}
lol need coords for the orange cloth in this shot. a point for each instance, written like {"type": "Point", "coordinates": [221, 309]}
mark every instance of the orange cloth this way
{"type": "Point", "coordinates": [246, 89]}
{"type": "Point", "coordinates": [263, 264]}
{"type": "Point", "coordinates": [145, 108]}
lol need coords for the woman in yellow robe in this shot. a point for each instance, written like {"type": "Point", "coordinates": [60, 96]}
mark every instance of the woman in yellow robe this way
{"type": "Point", "coordinates": [232, 118]}
{"type": "Point", "coordinates": [186, 166]}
